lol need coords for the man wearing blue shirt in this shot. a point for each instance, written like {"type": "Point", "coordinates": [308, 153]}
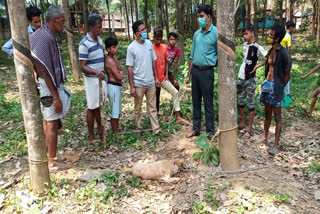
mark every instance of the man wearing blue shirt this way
{"type": "Point", "coordinates": [33, 15]}
{"type": "Point", "coordinates": [203, 58]}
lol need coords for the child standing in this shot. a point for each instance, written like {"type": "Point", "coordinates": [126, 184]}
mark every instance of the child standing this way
{"type": "Point", "coordinates": [115, 75]}
{"type": "Point", "coordinates": [162, 71]}
{"type": "Point", "coordinates": [247, 81]}
{"type": "Point", "coordinates": [174, 53]}
{"type": "Point", "coordinates": [316, 92]}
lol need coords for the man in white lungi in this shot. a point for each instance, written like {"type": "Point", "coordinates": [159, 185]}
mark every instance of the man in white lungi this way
{"type": "Point", "coordinates": [55, 98]}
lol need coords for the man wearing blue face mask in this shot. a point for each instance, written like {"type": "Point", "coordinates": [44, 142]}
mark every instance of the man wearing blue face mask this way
{"type": "Point", "coordinates": [203, 58]}
{"type": "Point", "coordinates": [33, 15]}
{"type": "Point", "coordinates": [142, 75]}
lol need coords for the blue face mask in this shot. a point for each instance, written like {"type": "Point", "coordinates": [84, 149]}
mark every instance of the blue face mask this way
{"type": "Point", "coordinates": [144, 35]}
{"type": "Point", "coordinates": [202, 22]}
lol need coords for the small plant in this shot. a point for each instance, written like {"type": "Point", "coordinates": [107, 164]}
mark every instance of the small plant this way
{"type": "Point", "coordinates": [211, 198]}
{"type": "Point", "coordinates": [314, 167]}
{"type": "Point", "coordinates": [198, 208]}
{"type": "Point", "coordinates": [209, 152]}
{"type": "Point", "coordinates": [282, 198]}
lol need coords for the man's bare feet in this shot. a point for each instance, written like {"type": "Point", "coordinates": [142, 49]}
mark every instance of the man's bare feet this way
{"type": "Point", "coordinates": [247, 135]}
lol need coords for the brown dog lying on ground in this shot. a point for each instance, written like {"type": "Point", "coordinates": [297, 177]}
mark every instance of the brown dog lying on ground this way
{"type": "Point", "coordinates": [160, 170]}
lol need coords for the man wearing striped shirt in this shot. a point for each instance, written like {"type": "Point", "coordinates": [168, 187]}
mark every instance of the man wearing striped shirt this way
{"type": "Point", "coordinates": [91, 56]}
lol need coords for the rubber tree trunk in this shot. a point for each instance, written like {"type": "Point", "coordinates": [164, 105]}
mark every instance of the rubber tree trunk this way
{"type": "Point", "coordinates": [213, 16]}
{"type": "Point", "coordinates": [109, 19]}
{"type": "Point", "coordinates": [280, 12]}
{"type": "Point", "coordinates": [7, 13]}
{"type": "Point", "coordinates": [318, 25]}
{"type": "Point", "coordinates": [288, 5]}
{"type": "Point", "coordinates": [71, 43]}
{"type": "Point", "coordinates": [127, 18]}
{"type": "Point", "coordinates": [131, 10]}
{"type": "Point", "coordinates": [264, 17]}
{"type": "Point", "coordinates": [160, 15]}
{"type": "Point", "coordinates": [167, 17]}
{"type": "Point", "coordinates": [313, 28]}
{"type": "Point", "coordinates": [146, 14]}
{"type": "Point", "coordinates": [181, 32]}
{"type": "Point", "coordinates": [247, 6]}
{"type": "Point", "coordinates": [136, 9]}
{"type": "Point", "coordinates": [38, 161]}
{"type": "Point", "coordinates": [227, 86]}
{"type": "Point", "coordinates": [85, 15]}
{"type": "Point", "coordinates": [43, 12]}
{"type": "Point", "coordinates": [252, 11]}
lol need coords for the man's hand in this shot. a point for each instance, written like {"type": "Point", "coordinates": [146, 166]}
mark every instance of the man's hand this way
{"type": "Point", "coordinates": [133, 92]}
{"type": "Point", "coordinates": [186, 80]}
{"type": "Point", "coordinates": [254, 70]}
{"type": "Point", "coordinates": [121, 74]}
{"type": "Point", "coordinates": [100, 75]}
{"type": "Point", "coordinates": [57, 105]}
{"type": "Point", "coordinates": [175, 82]}
{"type": "Point", "coordinates": [158, 83]}
{"type": "Point", "coordinates": [303, 77]}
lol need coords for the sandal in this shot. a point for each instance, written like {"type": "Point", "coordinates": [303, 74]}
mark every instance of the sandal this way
{"type": "Point", "coordinates": [192, 134]}
{"type": "Point", "coordinates": [183, 122]}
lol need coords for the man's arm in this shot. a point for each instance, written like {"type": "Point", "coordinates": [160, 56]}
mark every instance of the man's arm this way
{"type": "Point", "coordinates": [91, 71]}
{"type": "Point", "coordinates": [130, 77]}
{"type": "Point", "coordinates": [167, 70]}
{"type": "Point", "coordinates": [114, 68]}
{"type": "Point", "coordinates": [155, 72]}
{"type": "Point", "coordinates": [310, 72]}
{"type": "Point", "coordinates": [186, 80]}
{"type": "Point", "coordinates": [43, 73]}
{"type": "Point", "coordinates": [257, 66]}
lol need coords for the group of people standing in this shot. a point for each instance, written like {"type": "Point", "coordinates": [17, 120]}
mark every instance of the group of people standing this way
{"type": "Point", "coordinates": [148, 68]}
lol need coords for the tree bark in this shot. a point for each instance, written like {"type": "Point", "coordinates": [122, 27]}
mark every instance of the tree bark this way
{"type": "Point", "coordinates": [146, 15]}
{"type": "Point", "coordinates": [43, 12]}
{"type": "Point", "coordinates": [318, 25]}
{"type": "Point", "coordinates": [131, 10]}
{"type": "Point", "coordinates": [109, 21]}
{"type": "Point", "coordinates": [227, 86]}
{"type": "Point", "coordinates": [280, 12]}
{"type": "Point", "coordinates": [180, 12]}
{"type": "Point", "coordinates": [252, 11]}
{"type": "Point", "coordinates": [314, 9]}
{"type": "Point", "coordinates": [247, 17]}
{"type": "Point", "coordinates": [85, 15]}
{"type": "Point", "coordinates": [160, 14]}
{"type": "Point", "coordinates": [213, 17]}
{"type": "Point", "coordinates": [71, 43]}
{"type": "Point", "coordinates": [7, 13]}
{"type": "Point", "coordinates": [167, 17]}
{"type": "Point", "coordinates": [264, 17]}
{"type": "Point", "coordinates": [136, 9]}
{"type": "Point", "coordinates": [38, 161]}
{"type": "Point", "coordinates": [127, 18]}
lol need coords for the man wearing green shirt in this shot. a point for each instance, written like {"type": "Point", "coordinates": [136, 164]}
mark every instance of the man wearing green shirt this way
{"type": "Point", "coordinates": [203, 58]}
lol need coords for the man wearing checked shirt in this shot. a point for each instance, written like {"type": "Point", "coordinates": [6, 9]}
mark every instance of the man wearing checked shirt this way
{"type": "Point", "coordinates": [203, 58]}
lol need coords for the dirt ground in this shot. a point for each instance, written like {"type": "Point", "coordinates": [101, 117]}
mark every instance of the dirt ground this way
{"type": "Point", "coordinates": [236, 193]}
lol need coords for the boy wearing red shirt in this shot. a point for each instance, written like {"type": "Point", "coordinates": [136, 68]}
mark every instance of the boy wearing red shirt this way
{"type": "Point", "coordinates": [162, 71]}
